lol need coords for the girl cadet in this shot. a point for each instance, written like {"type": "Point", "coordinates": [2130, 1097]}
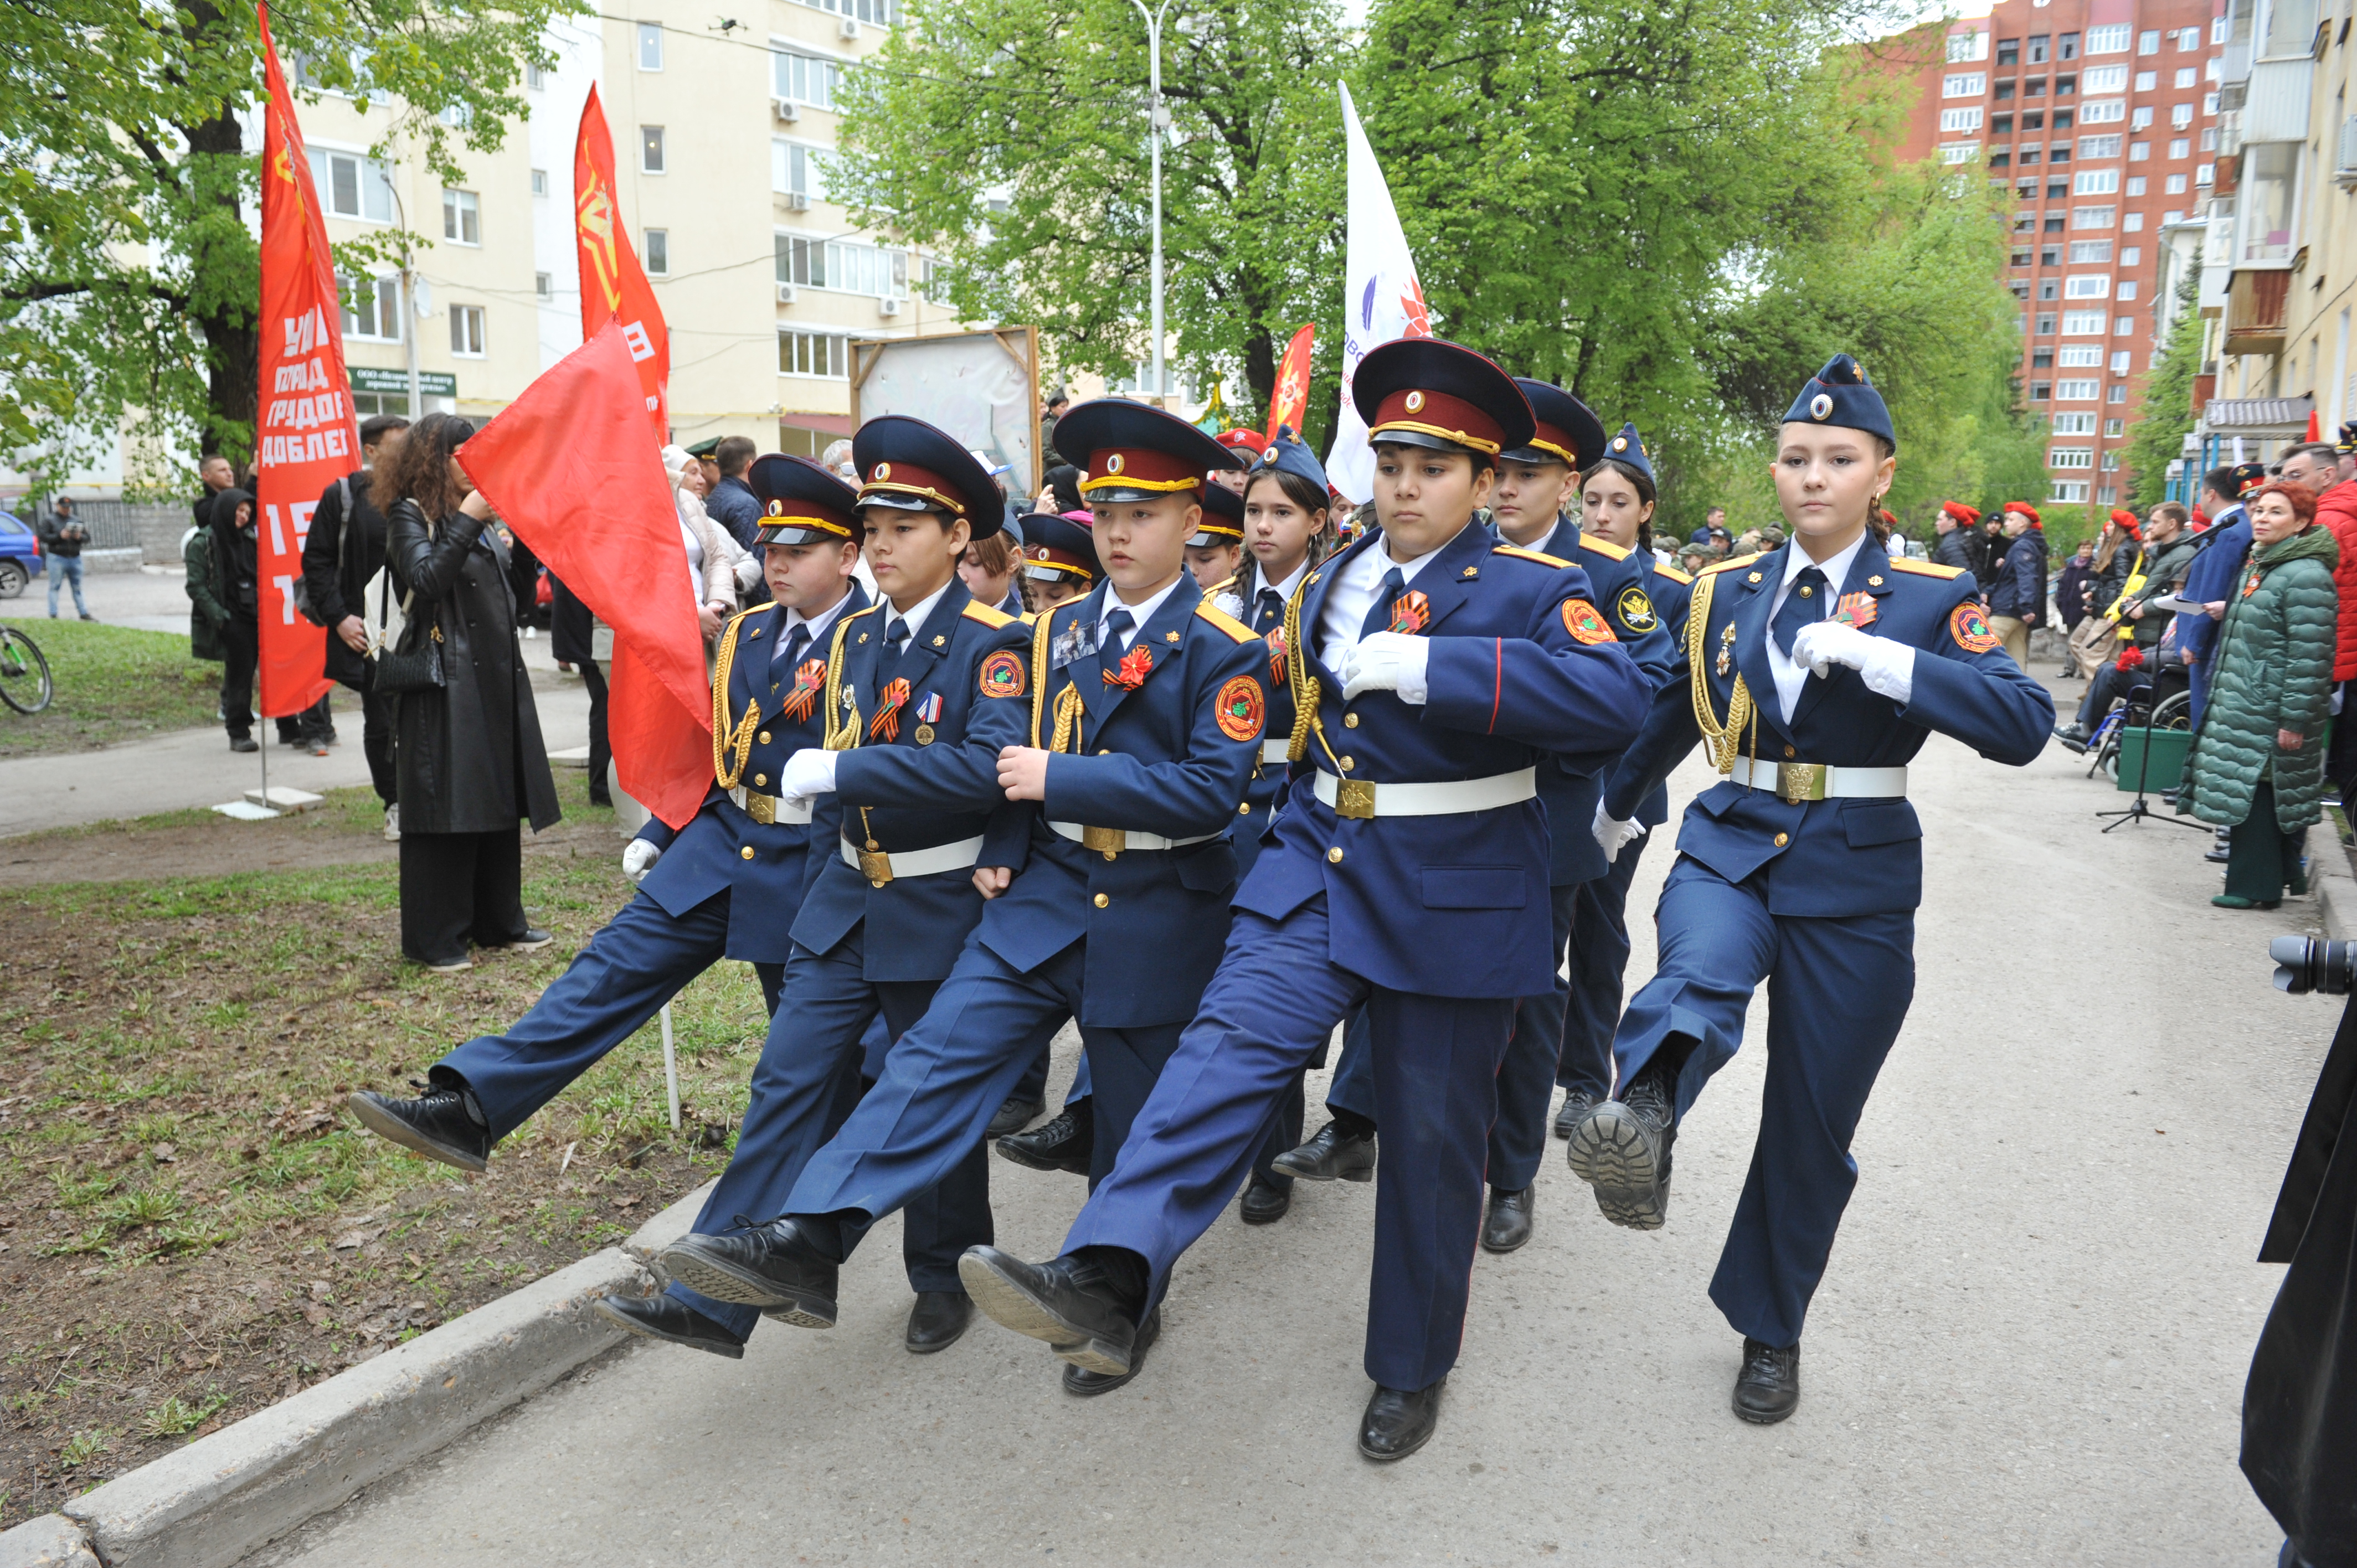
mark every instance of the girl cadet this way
{"type": "Point", "coordinates": [1815, 672]}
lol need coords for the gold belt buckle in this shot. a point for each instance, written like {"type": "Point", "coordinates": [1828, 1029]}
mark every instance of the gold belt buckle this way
{"type": "Point", "coordinates": [876, 865]}
{"type": "Point", "coordinates": [1355, 798]}
{"type": "Point", "coordinates": [1109, 841]}
{"type": "Point", "coordinates": [1799, 781]}
{"type": "Point", "coordinates": [762, 809]}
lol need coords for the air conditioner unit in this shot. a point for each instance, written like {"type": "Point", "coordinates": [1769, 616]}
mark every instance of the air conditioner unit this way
{"type": "Point", "coordinates": [888, 308]}
{"type": "Point", "coordinates": [785, 294]}
{"type": "Point", "coordinates": [797, 202]}
{"type": "Point", "coordinates": [786, 109]}
{"type": "Point", "coordinates": [848, 27]}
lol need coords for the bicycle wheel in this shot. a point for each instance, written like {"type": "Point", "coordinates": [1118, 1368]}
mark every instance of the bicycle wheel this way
{"type": "Point", "coordinates": [24, 683]}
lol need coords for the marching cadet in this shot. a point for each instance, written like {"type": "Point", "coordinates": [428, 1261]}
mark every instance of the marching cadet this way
{"type": "Point", "coordinates": [1616, 507]}
{"type": "Point", "coordinates": [727, 885]}
{"type": "Point", "coordinates": [1145, 707]}
{"type": "Point", "coordinates": [1218, 543]}
{"type": "Point", "coordinates": [1814, 672]}
{"type": "Point", "coordinates": [1432, 669]}
{"type": "Point", "coordinates": [921, 692]}
{"type": "Point", "coordinates": [1060, 561]}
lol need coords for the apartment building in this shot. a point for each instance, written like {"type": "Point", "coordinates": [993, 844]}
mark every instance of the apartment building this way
{"type": "Point", "coordinates": [2100, 119]}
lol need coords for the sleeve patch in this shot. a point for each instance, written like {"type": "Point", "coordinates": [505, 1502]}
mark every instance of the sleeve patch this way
{"type": "Point", "coordinates": [1001, 675]}
{"type": "Point", "coordinates": [1636, 611]}
{"type": "Point", "coordinates": [1242, 708]}
{"type": "Point", "coordinates": [1971, 629]}
{"type": "Point", "coordinates": [1580, 619]}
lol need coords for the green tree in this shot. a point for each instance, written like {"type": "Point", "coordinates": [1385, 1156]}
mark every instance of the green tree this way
{"type": "Point", "coordinates": [2168, 415]}
{"type": "Point", "coordinates": [129, 158]}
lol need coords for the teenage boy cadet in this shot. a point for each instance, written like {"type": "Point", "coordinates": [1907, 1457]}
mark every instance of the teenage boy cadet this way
{"type": "Point", "coordinates": [1145, 707]}
{"type": "Point", "coordinates": [1217, 546]}
{"type": "Point", "coordinates": [726, 886]}
{"type": "Point", "coordinates": [1432, 670]}
{"type": "Point", "coordinates": [1060, 561]}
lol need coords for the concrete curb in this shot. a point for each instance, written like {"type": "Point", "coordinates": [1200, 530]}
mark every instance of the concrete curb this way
{"type": "Point", "coordinates": [217, 1500]}
{"type": "Point", "coordinates": [2336, 904]}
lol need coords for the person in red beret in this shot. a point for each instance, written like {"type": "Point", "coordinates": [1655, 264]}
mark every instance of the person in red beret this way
{"type": "Point", "coordinates": [1954, 523]}
{"type": "Point", "coordinates": [2016, 586]}
{"type": "Point", "coordinates": [1247, 444]}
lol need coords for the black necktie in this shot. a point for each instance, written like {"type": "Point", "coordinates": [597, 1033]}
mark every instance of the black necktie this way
{"type": "Point", "coordinates": [1804, 603]}
{"type": "Point", "coordinates": [1271, 614]}
{"type": "Point", "coordinates": [896, 639]}
{"type": "Point", "coordinates": [1117, 627]}
{"type": "Point", "coordinates": [1379, 614]}
{"type": "Point", "coordinates": [789, 652]}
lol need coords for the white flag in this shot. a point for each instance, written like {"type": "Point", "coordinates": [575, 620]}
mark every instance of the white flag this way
{"type": "Point", "coordinates": [1382, 300]}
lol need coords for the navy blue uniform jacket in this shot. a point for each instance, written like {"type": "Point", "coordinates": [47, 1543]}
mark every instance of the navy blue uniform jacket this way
{"type": "Point", "coordinates": [1847, 856]}
{"type": "Point", "coordinates": [1442, 906]}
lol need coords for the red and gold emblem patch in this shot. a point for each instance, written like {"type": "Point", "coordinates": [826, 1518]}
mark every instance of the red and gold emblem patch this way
{"type": "Point", "coordinates": [1001, 675]}
{"type": "Point", "coordinates": [1241, 709]}
{"type": "Point", "coordinates": [1580, 619]}
{"type": "Point", "coordinates": [1971, 629]}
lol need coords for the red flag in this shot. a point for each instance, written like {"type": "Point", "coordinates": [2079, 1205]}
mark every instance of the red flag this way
{"type": "Point", "coordinates": [303, 436]}
{"type": "Point", "coordinates": [569, 466]}
{"type": "Point", "coordinates": [613, 284]}
{"type": "Point", "coordinates": [1290, 400]}
{"type": "Point", "coordinates": [2313, 427]}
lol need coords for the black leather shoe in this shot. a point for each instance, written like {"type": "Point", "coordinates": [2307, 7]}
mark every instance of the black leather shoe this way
{"type": "Point", "coordinates": [1399, 1422]}
{"type": "Point", "coordinates": [1506, 1224]}
{"type": "Point", "coordinates": [1768, 1388]}
{"type": "Point", "coordinates": [669, 1319]}
{"type": "Point", "coordinates": [1082, 1383]}
{"type": "Point", "coordinates": [1012, 1117]}
{"type": "Point", "coordinates": [937, 1320]}
{"type": "Point", "coordinates": [1065, 1142]}
{"type": "Point", "coordinates": [774, 1267]}
{"type": "Point", "coordinates": [244, 743]}
{"type": "Point", "coordinates": [1066, 1302]}
{"type": "Point", "coordinates": [443, 1124]}
{"type": "Point", "coordinates": [1622, 1150]}
{"type": "Point", "coordinates": [1332, 1155]}
{"type": "Point", "coordinates": [1577, 1104]}
{"type": "Point", "coordinates": [533, 940]}
{"type": "Point", "coordinates": [1264, 1201]}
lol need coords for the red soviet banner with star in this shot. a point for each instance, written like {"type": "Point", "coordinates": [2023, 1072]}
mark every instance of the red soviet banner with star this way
{"type": "Point", "coordinates": [1290, 400]}
{"type": "Point", "coordinates": [303, 436]}
{"type": "Point", "coordinates": [614, 286]}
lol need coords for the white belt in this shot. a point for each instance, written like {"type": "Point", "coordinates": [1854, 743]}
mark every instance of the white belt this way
{"type": "Point", "coordinates": [1359, 798]}
{"type": "Point", "coordinates": [1113, 841]}
{"type": "Point", "coordinates": [880, 868]}
{"type": "Point", "coordinates": [772, 808]}
{"type": "Point", "coordinates": [1274, 750]}
{"type": "Point", "coordinates": [1797, 781]}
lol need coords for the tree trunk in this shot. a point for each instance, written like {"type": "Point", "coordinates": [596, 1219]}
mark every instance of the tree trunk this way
{"type": "Point", "coordinates": [232, 347]}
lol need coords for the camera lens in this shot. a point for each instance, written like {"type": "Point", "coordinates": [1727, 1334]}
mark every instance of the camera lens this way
{"type": "Point", "coordinates": [2305, 964]}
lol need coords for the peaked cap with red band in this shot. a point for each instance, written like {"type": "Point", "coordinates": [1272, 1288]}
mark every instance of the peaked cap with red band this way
{"type": "Point", "coordinates": [1056, 548]}
{"type": "Point", "coordinates": [1223, 518]}
{"type": "Point", "coordinates": [1567, 431]}
{"type": "Point", "coordinates": [910, 466]}
{"type": "Point", "coordinates": [803, 502]}
{"type": "Point", "coordinates": [1424, 392]}
{"type": "Point", "coordinates": [1136, 452]}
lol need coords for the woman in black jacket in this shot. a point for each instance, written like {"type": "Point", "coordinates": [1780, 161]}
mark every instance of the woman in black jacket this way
{"type": "Point", "coordinates": [468, 754]}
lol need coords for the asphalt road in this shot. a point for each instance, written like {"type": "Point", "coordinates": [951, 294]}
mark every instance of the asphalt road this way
{"type": "Point", "coordinates": [2030, 1346]}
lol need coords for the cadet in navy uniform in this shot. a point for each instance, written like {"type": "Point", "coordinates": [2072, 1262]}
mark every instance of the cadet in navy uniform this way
{"type": "Point", "coordinates": [1439, 669]}
{"type": "Point", "coordinates": [1217, 545]}
{"type": "Point", "coordinates": [724, 886]}
{"type": "Point", "coordinates": [1616, 507]}
{"type": "Point", "coordinates": [1060, 561]}
{"type": "Point", "coordinates": [1145, 713]}
{"type": "Point", "coordinates": [1814, 672]}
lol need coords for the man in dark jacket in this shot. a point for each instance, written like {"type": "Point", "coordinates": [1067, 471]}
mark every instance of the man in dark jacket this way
{"type": "Point", "coordinates": [1953, 547]}
{"type": "Point", "coordinates": [2073, 584]}
{"type": "Point", "coordinates": [2224, 548]}
{"type": "Point", "coordinates": [62, 537]}
{"type": "Point", "coordinates": [732, 503]}
{"type": "Point", "coordinates": [343, 551]}
{"type": "Point", "coordinates": [2017, 591]}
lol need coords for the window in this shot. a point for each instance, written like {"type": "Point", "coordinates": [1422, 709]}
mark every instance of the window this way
{"type": "Point", "coordinates": [2103, 112]}
{"type": "Point", "coordinates": [1969, 45]}
{"type": "Point", "coordinates": [1999, 159]}
{"type": "Point", "coordinates": [2069, 491]}
{"type": "Point", "coordinates": [2047, 288]}
{"type": "Point", "coordinates": [2147, 80]}
{"type": "Point", "coordinates": [1953, 120]}
{"type": "Point", "coordinates": [813, 354]}
{"type": "Point", "coordinates": [2209, 138]}
{"type": "Point", "coordinates": [883, 12]}
{"type": "Point", "coordinates": [2269, 198]}
{"type": "Point", "coordinates": [2084, 250]}
{"type": "Point", "coordinates": [462, 220]}
{"type": "Point", "coordinates": [2147, 43]}
{"type": "Point", "coordinates": [1967, 85]}
{"type": "Point", "coordinates": [2208, 103]}
{"type": "Point", "coordinates": [2001, 125]}
{"type": "Point", "coordinates": [657, 251]}
{"type": "Point", "coordinates": [2118, 392]}
{"type": "Point", "coordinates": [2074, 425]}
{"type": "Point", "coordinates": [372, 308]}
{"type": "Point", "coordinates": [2070, 456]}
{"type": "Point", "coordinates": [2020, 286]}
{"type": "Point", "coordinates": [2070, 50]}
{"type": "Point", "coordinates": [2217, 29]}
{"type": "Point", "coordinates": [2173, 185]}
{"type": "Point", "coordinates": [2091, 217]}
{"type": "Point", "coordinates": [2041, 392]}
{"type": "Point", "coordinates": [2049, 256]}
{"type": "Point", "coordinates": [2181, 147]}
{"type": "Point", "coordinates": [2088, 285]}
{"type": "Point", "coordinates": [2037, 50]}
{"type": "Point", "coordinates": [2083, 323]}
{"type": "Point", "coordinates": [543, 286]}
{"type": "Point", "coordinates": [2008, 51]}
{"type": "Point", "coordinates": [2046, 324]}
{"type": "Point", "coordinates": [2077, 390]}
{"type": "Point", "coordinates": [2004, 92]}
{"type": "Point", "coordinates": [2061, 154]}
{"type": "Point", "coordinates": [2111, 465]}
{"type": "Point", "coordinates": [540, 182]}
{"type": "Point", "coordinates": [466, 331]}
{"type": "Point", "coordinates": [2181, 115]}
{"type": "Point", "coordinates": [651, 149]}
{"type": "Point", "coordinates": [2140, 120]}
{"type": "Point", "coordinates": [2097, 182]}
{"type": "Point", "coordinates": [2123, 325]}
{"type": "Point", "coordinates": [2053, 223]}
{"type": "Point", "coordinates": [2031, 153]}
{"type": "Point", "coordinates": [2140, 152]}
{"type": "Point", "coordinates": [2110, 40]}
{"type": "Point", "coordinates": [804, 79]}
{"type": "Point", "coordinates": [2190, 39]}
{"type": "Point", "coordinates": [795, 169]}
{"type": "Point", "coordinates": [2021, 258]}
{"type": "Point", "coordinates": [2114, 426]}
{"type": "Point", "coordinates": [2041, 359]}
{"type": "Point", "coordinates": [2185, 78]}
{"type": "Point", "coordinates": [2057, 188]}
{"type": "Point", "coordinates": [2099, 147]}
{"type": "Point", "coordinates": [2081, 357]}
{"type": "Point", "coordinates": [2034, 88]}
{"type": "Point", "coordinates": [2119, 361]}
{"type": "Point", "coordinates": [1960, 152]}
{"type": "Point", "coordinates": [650, 46]}
{"type": "Point", "coordinates": [535, 78]}
{"type": "Point", "coordinates": [352, 186]}
{"type": "Point", "coordinates": [2129, 255]}
{"type": "Point", "coordinates": [2106, 78]}
{"type": "Point", "coordinates": [2025, 223]}
{"type": "Point", "coordinates": [2202, 175]}
{"type": "Point", "coordinates": [2135, 184]}
{"type": "Point", "coordinates": [2133, 223]}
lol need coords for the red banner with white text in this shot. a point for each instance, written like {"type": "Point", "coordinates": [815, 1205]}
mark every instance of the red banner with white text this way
{"type": "Point", "coordinates": [303, 435]}
{"type": "Point", "coordinates": [613, 284]}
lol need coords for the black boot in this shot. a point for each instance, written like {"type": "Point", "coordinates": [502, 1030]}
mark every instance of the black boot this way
{"type": "Point", "coordinates": [1398, 1422]}
{"type": "Point", "coordinates": [1332, 1155]}
{"type": "Point", "coordinates": [443, 1124]}
{"type": "Point", "coordinates": [777, 1267]}
{"type": "Point", "coordinates": [1264, 1201]}
{"type": "Point", "coordinates": [1014, 1115]}
{"type": "Point", "coordinates": [669, 1319]}
{"type": "Point", "coordinates": [1506, 1224]}
{"type": "Point", "coordinates": [1065, 1142]}
{"type": "Point", "coordinates": [1622, 1149]}
{"type": "Point", "coordinates": [937, 1320]}
{"type": "Point", "coordinates": [1082, 1383]}
{"type": "Point", "coordinates": [1068, 1303]}
{"type": "Point", "coordinates": [1768, 1388]}
{"type": "Point", "coordinates": [1577, 1104]}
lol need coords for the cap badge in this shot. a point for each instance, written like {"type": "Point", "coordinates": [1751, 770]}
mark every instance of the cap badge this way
{"type": "Point", "coordinates": [776, 508]}
{"type": "Point", "coordinates": [1112, 463]}
{"type": "Point", "coordinates": [1619, 444]}
{"type": "Point", "coordinates": [1415, 403]}
{"type": "Point", "coordinates": [1821, 405]}
{"type": "Point", "coordinates": [883, 472]}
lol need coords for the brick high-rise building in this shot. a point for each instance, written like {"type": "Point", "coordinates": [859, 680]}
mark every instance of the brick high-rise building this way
{"type": "Point", "coordinates": [2101, 118]}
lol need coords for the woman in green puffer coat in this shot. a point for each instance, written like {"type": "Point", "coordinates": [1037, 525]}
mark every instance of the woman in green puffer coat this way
{"type": "Point", "coordinates": [2258, 761]}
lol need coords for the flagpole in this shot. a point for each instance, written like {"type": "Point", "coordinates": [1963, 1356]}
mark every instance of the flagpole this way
{"type": "Point", "coordinates": [1157, 119]}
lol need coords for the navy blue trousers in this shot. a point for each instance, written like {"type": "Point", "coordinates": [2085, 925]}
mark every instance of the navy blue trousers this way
{"type": "Point", "coordinates": [1838, 989]}
{"type": "Point", "coordinates": [1597, 959]}
{"type": "Point", "coordinates": [948, 1074]}
{"type": "Point", "coordinates": [1274, 1002]}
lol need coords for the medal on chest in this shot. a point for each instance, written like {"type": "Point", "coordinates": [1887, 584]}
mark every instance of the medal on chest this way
{"type": "Point", "coordinates": [929, 711]}
{"type": "Point", "coordinates": [1726, 648]}
{"type": "Point", "coordinates": [809, 676]}
{"type": "Point", "coordinates": [885, 725]}
{"type": "Point", "coordinates": [1411, 612]}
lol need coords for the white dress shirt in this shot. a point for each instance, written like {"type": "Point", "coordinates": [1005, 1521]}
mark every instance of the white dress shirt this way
{"type": "Point", "coordinates": [1285, 590]}
{"type": "Point", "coordinates": [1789, 676]}
{"type": "Point", "coordinates": [1353, 595]}
{"type": "Point", "coordinates": [1138, 614]}
{"type": "Point", "coordinates": [819, 628]}
{"type": "Point", "coordinates": [916, 616]}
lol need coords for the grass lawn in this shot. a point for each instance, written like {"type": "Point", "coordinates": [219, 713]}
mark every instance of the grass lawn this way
{"type": "Point", "coordinates": [191, 1225]}
{"type": "Point", "coordinates": [114, 683]}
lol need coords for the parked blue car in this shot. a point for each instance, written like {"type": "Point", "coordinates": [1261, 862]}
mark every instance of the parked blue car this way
{"type": "Point", "coordinates": [20, 555]}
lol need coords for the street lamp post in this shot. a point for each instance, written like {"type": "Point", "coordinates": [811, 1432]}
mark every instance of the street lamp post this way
{"type": "Point", "coordinates": [1157, 120]}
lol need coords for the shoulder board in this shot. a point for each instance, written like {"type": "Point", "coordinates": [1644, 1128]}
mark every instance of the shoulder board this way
{"type": "Point", "coordinates": [1672, 573]}
{"type": "Point", "coordinates": [1924, 568]}
{"type": "Point", "coordinates": [987, 615]}
{"type": "Point", "coordinates": [1519, 554]}
{"type": "Point", "coordinates": [1225, 622]}
{"type": "Point", "coordinates": [1031, 618]}
{"type": "Point", "coordinates": [868, 610]}
{"type": "Point", "coordinates": [1604, 547]}
{"type": "Point", "coordinates": [1717, 566]}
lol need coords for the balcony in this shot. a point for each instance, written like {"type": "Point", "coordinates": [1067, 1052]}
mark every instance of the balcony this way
{"type": "Point", "coordinates": [2254, 312]}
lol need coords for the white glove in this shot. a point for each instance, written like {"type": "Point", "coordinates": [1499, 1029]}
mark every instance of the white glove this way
{"type": "Point", "coordinates": [810, 771]}
{"type": "Point", "coordinates": [1387, 661]}
{"type": "Point", "coordinates": [638, 857]}
{"type": "Point", "coordinates": [1613, 835]}
{"type": "Point", "coordinates": [1886, 667]}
